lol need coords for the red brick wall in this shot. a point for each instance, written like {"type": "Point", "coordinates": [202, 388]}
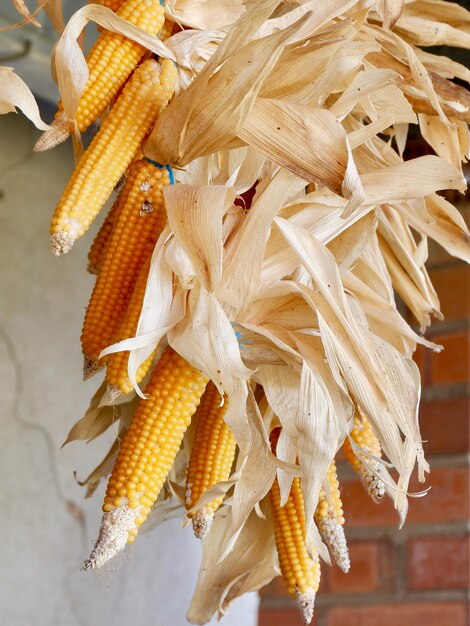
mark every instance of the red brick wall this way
{"type": "Point", "coordinates": [418, 576]}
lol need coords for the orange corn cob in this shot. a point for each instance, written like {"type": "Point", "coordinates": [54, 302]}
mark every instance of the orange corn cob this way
{"type": "Point", "coordinates": [111, 151]}
{"type": "Point", "coordinates": [211, 458]}
{"type": "Point", "coordinates": [330, 520]}
{"type": "Point", "coordinates": [141, 218]}
{"type": "Point", "coordinates": [97, 252]}
{"type": "Point", "coordinates": [300, 572]}
{"type": "Point", "coordinates": [367, 468]}
{"type": "Point", "coordinates": [110, 62]}
{"type": "Point", "coordinates": [116, 363]}
{"type": "Point", "coordinates": [147, 453]}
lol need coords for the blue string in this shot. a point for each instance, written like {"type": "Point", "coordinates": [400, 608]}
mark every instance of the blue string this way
{"type": "Point", "coordinates": [161, 167]}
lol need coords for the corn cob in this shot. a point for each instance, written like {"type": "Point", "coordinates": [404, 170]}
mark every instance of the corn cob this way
{"type": "Point", "coordinates": [110, 61]}
{"type": "Point", "coordinates": [141, 217]}
{"type": "Point", "coordinates": [367, 468]}
{"type": "Point", "coordinates": [111, 151]}
{"type": "Point", "coordinates": [116, 363]}
{"type": "Point", "coordinates": [147, 453]}
{"type": "Point", "coordinates": [330, 520]}
{"type": "Point", "coordinates": [97, 252]}
{"type": "Point", "coordinates": [300, 572]}
{"type": "Point", "coordinates": [167, 30]}
{"type": "Point", "coordinates": [211, 458]}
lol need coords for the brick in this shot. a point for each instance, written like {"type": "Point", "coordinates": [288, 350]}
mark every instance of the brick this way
{"type": "Point", "coordinates": [412, 614]}
{"type": "Point", "coordinates": [451, 365]}
{"type": "Point", "coordinates": [446, 501]}
{"type": "Point", "coordinates": [438, 563]}
{"type": "Point", "coordinates": [364, 575]}
{"type": "Point", "coordinates": [281, 617]}
{"type": "Point", "coordinates": [452, 285]}
{"type": "Point", "coordinates": [445, 427]}
{"type": "Point", "coordinates": [421, 358]}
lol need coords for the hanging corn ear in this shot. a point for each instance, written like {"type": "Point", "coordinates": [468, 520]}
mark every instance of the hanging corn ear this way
{"type": "Point", "coordinates": [141, 218]}
{"type": "Point", "coordinates": [330, 520]}
{"type": "Point", "coordinates": [116, 363]}
{"type": "Point", "coordinates": [367, 468]}
{"type": "Point", "coordinates": [211, 458]}
{"type": "Point", "coordinates": [97, 252]}
{"type": "Point", "coordinates": [110, 62]}
{"type": "Point", "coordinates": [147, 453]}
{"type": "Point", "coordinates": [300, 572]}
{"type": "Point", "coordinates": [109, 154]}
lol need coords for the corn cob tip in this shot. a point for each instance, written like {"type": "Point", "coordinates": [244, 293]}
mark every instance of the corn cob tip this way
{"type": "Point", "coordinates": [372, 482]}
{"type": "Point", "coordinates": [90, 368]}
{"type": "Point", "coordinates": [61, 243]}
{"type": "Point", "coordinates": [111, 394]}
{"type": "Point", "coordinates": [306, 604]}
{"type": "Point", "coordinates": [202, 523]}
{"type": "Point", "coordinates": [58, 133]}
{"type": "Point", "coordinates": [113, 536]}
{"type": "Point", "coordinates": [333, 534]}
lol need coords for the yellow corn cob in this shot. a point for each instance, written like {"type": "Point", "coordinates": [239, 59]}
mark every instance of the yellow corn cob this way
{"type": "Point", "coordinates": [147, 453]}
{"type": "Point", "coordinates": [111, 151]}
{"type": "Point", "coordinates": [98, 248]}
{"type": "Point", "coordinates": [330, 520]}
{"type": "Point", "coordinates": [110, 62]}
{"type": "Point", "coordinates": [141, 218]}
{"type": "Point", "coordinates": [367, 468]}
{"type": "Point", "coordinates": [211, 458]}
{"type": "Point", "coordinates": [301, 573]}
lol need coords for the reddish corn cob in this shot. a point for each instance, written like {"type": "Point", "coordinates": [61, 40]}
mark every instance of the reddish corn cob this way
{"type": "Point", "coordinates": [367, 468]}
{"type": "Point", "coordinates": [141, 218]}
{"type": "Point", "coordinates": [111, 151]}
{"type": "Point", "coordinates": [330, 520]}
{"type": "Point", "coordinates": [147, 453]}
{"type": "Point", "coordinates": [211, 458]}
{"type": "Point", "coordinates": [110, 62]}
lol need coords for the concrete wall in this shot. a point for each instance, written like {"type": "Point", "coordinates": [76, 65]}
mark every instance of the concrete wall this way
{"type": "Point", "coordinates": [46, 526]}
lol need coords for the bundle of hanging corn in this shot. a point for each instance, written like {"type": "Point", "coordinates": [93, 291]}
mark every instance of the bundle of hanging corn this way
{"type": "Point", "coordinates": [244, 309]}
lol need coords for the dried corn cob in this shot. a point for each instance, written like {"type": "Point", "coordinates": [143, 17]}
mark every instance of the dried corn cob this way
{"type": "Point", "coordinates": [211, 458]}
{"type": "Point", "coordinates": [330, 520]}
{"type": "Point", "coordinates": [110, 62]}
{"type": "Point", "coordinates": [97, 252]}
{"type": "Point", "coordinates": [147, 453]}
{"type": "Point", "coordinates": [116, 363]}
{"type": "Point", "coordinates": [141, 218]}
{"type": "Point", "coordinates": [111, 151]}
{"type": "Point", "coordinates": [367, 468]}
{"type": "Point", "coordinates": [300, 572]}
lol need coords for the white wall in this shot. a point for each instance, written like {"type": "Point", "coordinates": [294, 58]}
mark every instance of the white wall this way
{"type": "Point", "coordinates": [42, 545]}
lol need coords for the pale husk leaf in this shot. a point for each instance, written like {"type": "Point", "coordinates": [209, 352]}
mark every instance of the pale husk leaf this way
{"type": "Point", "coordinates": [250, 567]}
{"type": "Point", "coordinates": [15, 93]}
